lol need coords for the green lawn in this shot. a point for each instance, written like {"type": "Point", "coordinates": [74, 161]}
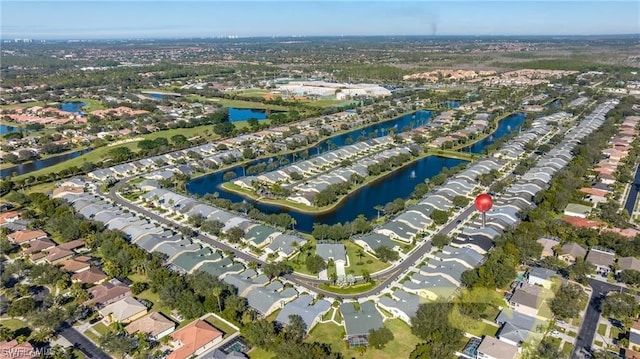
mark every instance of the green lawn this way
{"type": "Point", "coordinates": [338, 317]}
{"type": "Point", "coordinates": [225, 328]}
{"type": "Point", "coordinates": [401, 346]}
{"type": "Point", "coordinates": [572, 334]}
{"type": "Point", "coordinates": [567, 348]}
{"type": "Point", "coordinates": [352, 253]}
{"type": "Point", "coordinates": [480, 328]}
{"type": "Point", "coordinates": [92, 104]}
{"type": "Point", "coordinates": [13, 324]}
{"type": "Point", "coordinates": [257, 353]}
{"type": "Point", "coordinates": [271, 317]}
{"type": "Point", "coordinates": [89, 334]}
{"type": "Point", "coordinates": [328, 315]}
{"type": "Point", "coordinates": [602, 329]}
{"type": "Point", "coordinates": [614, 333]}
{"type": "Point", "coordinates": [101, 328]}
{"type": "Point", "coordinates": [358, 288]}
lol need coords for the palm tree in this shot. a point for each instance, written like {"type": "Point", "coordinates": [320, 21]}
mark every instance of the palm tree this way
{"type": "Point", "coordinates": [293, 223]}
{"type": "Point", "coordinates": [379, 208]}
{"type": "Point", "coordinates": [360, 255]}
{"type": "Point", "coordinates": [217, 292]}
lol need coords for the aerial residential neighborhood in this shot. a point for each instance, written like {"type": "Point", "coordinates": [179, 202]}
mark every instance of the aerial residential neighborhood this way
{"type": "Point", "coordinates": [174, 189]}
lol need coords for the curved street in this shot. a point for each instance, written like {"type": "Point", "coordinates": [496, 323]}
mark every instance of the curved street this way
{"type": "Point", "coordinates": [383, 278]}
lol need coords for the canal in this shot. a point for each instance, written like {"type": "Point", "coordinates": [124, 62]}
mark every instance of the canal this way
{"type": "Point", "coordinates": [630, 204]}
{"type": "Point", "coordinates": [507, 125]}
{"type": "Point", "coordinates": [25, 168]}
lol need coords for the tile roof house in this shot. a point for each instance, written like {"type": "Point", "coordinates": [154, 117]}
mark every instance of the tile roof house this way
{"type": "Point", "coordinates": [58, 254]}
{"type": "Point", "coordinates": [14, 350]}
{"type": "Point", "coordinates": [76, 265]}
{"type": "Point", "coordinates": [123, 311]}
{"type": "Point", "coordinates": [107, 293]}
{"type": "Point", "coordinates": [602, 259]}
{"type": "Point", "coordinates": [8, 217]}
{"type": "Point", "coordinates": [155, 324]}
{"type": "Point", "coordinates": [25, 236]}
{"type": "Point", "coordinates": [194, 339]}
{"type": "Point", "coordinates": [570, 252]}
{"type": "Point", "coordinates": [492, 348]}
{"type": "Point", "coordinates": [91, 276]}
{"type": "Point", "coordinates": [358, 322]}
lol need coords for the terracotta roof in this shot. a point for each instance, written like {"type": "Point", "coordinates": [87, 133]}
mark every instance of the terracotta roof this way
{"type": "Point", "coordinates": [38, 245]}
{"type": "Point", "coordinates": [108, 292]}
{"type": "Point", "coordinates": [73, 244]}
{"type": "Point", "coordinates": [91, 276]}
{"type": "Point", "coordinates": [582, 222]}
{"type": "Point", "coordinates": [14, 350]}
{"type": "Point", "coordinates": [193, 337]}
{"type": "Point", "coordinates": [8, 216]}
{"type": "Point", "coordinates": [26, 236]}
{"type": "Point", "coordinates": [153, 324]}
{"type": "Point", "coordinates": [593, 191]}
{"type": "Point", "coordinates": [74, 265]}
{"type": "Point", "coordinates": [57, 253]}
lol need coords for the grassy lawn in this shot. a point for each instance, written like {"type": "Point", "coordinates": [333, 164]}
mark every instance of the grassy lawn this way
{"type": "Point", "coordinates": [258, 353]}
{"type": "Point", "coordinates": [352, 253]}
{"type": "Point", "coordinates": [567, 348]}
{"type": "Point", "coordinates": [614, 333]}
{"type": "Point", "coordinates": [89, 334]}
{"type": "Point", "coordinates": [598, 344]}
{"type": "Point", "coordinates": [602, 329]}
{"type": "Point", "coordinates": [225, 328]}
{"type": "Point", "coordinates": [92, 104]}
{"type": "Point", "coordinates": [480, 328]}
{"type": "Point", "coordinates": [490, 313]}
{"type": "Point", "coordinates": [252, 93]}
{"type": "Point", "coordinates": [338, 316]}
{"type": "Point", "coordinates": [401, 346]}
{"type": "Point", "coordinates": [13, 324]}
{"type": "Point", "coordinates": [271, 317]}
{"type": "Point", "coordinates": [572, 334]}
{"type": "Point", "coordinates": [358, 288]}
{"type": "Point", "coordinates": [328, 315]}
{"type": "Point", "coordinates": [101, 328]}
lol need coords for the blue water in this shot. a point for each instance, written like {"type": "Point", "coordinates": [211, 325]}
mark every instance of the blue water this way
{"type": "Point", "coordinates": [633, 193]}
{"type": "Point", "coordinates": [157, 96]}
{"type": "Point", "coordinates": [73, 107]}
{"type": "Point", "coordinates": [40, 164]}
{"type": "Point", "coordinates": [507, 125]}
{"type": "Point", "coordinates": [6, 129]}
{"type": "Point", "coordinates": [243, 114]}
{"type": "Point", "coordinates": [400, 184]}
{"type": "Point", "coordinates": [452, 104]}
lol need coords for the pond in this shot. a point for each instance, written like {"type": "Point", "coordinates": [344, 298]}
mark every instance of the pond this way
{"type": "Point", "coordinates": [72, 106]}
{"type": "Point", "coordinates": [243, 114]}
{"type": "Point", "coordinates": [507, 125]}
{"type": "Point", "coordinates": [25, 168]}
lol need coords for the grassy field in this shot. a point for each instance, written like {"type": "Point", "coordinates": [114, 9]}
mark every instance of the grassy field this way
{"type": "Point", "coordinates": [243, 124]}
{"type": "Point", "coordinates": [400, 347]}
{"type": "Point", "coordinates": [352, 253]}
{"type": "Point", "coordinates": [358, 288]}
{"type": "Point", "coordinates": [257, 353]}
{"type": "Point", "coordinates": [480, 328]}
{"type": "Point", "coordinates": [92, 104]}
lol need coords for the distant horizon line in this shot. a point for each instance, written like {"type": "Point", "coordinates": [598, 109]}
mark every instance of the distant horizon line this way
{"type": "Point", "coordinates": [232, 37]}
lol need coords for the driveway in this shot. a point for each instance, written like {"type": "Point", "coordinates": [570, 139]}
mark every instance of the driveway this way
{"type": "Point", "coordinates": [85, 345]}
{"type": "Point", "coordinates": [592, 317]}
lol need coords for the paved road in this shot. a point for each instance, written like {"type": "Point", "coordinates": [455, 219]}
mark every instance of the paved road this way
{"type": "Point", "coordinates": [85, 345]}
{"type": "Point", "coordinates": [383, 279]}
{"type": "Point", "coordinates": [592, 316]}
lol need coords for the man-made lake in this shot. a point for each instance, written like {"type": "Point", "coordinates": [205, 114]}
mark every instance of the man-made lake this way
{"type": "Point", "coordinates": [6, 129]}
{"type": "Point", "coordinates": [74, 107]}
{"type": "Point", "coordinates": [40, 164]}
{"type": "Point", "coordinates": [243, 114]}
{"type": "Point", "coordinates": [399, 184]}
{"type": "Point", "coordinates": [507, 125]}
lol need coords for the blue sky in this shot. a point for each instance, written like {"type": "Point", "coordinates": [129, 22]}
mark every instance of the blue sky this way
{"type": "Point", "coordinates": [91, 19]}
